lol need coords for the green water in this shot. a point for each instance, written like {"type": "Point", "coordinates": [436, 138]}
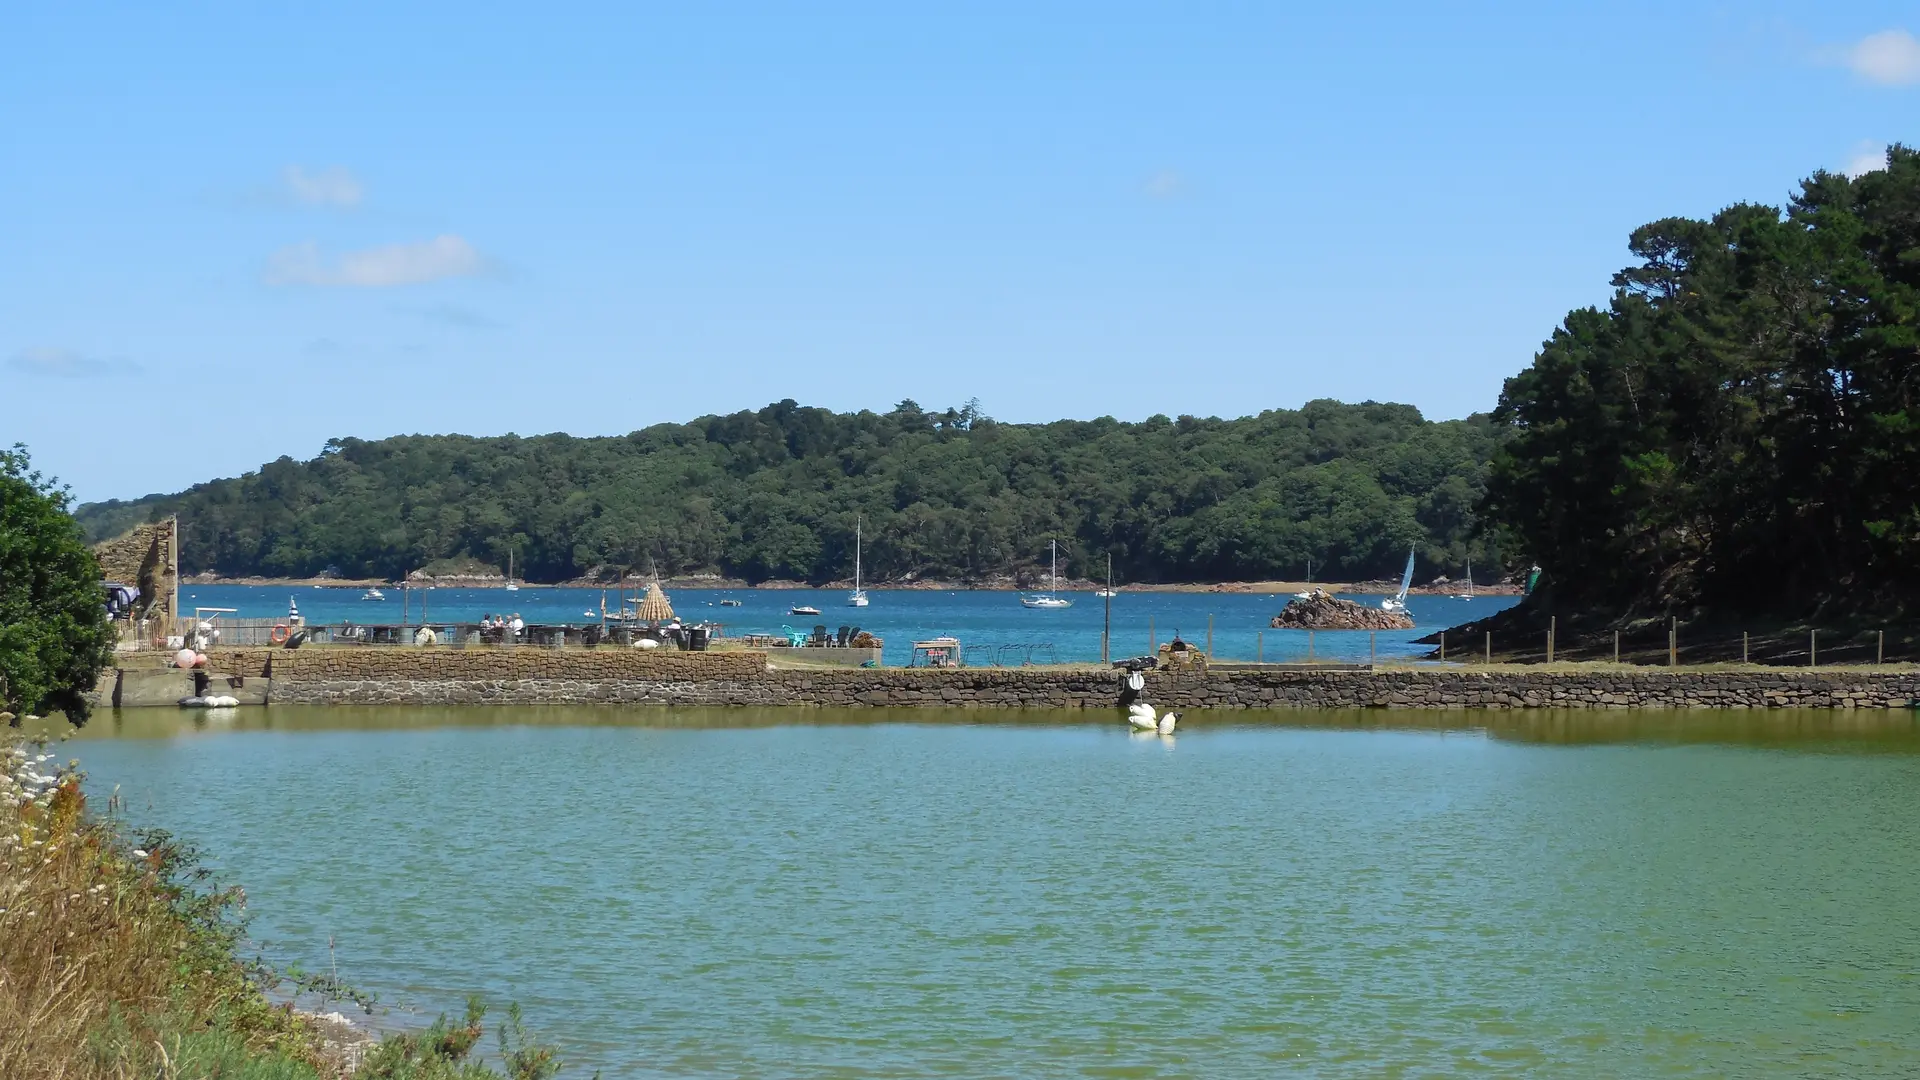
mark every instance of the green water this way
{"type": "Point", "coordinates": [802, 893]}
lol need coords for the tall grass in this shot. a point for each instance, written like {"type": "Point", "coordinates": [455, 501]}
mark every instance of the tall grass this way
{"type": "Point", "coordinates": [118, 962]}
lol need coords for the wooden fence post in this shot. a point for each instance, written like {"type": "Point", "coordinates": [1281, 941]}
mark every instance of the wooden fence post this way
{"type": "Point", "coordinates": [1443, 645]}
{"type": "Point", "coordinates": [1673, 641]}
{"type": "Point", "coordinates": [1489, 646]}
{"type": "Point", "coordinates": [1209, 637]}
{"type": "Point", "coordinates": [1616, 646]}
{"type": "Point", "coordinates": [1813, 648]}
{"type": "Point", "coordinates": [1153, 642]}
{"type": "Point", "coordinates": [1880, 650]}
{"type": "Point", "coordinates": [1309, 646]}
{"type": "Point", "coordinates": [1743, 646]}
{"type": "Point", "coordinates": [1372, 656]}
{"type": "Point", "coordinates": [1260, 646]}
{"type": "Point", "coordinates": [1553, 623]}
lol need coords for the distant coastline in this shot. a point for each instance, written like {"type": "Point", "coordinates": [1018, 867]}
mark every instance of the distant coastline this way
{"type": "Point", "coordinates": [994, 584]}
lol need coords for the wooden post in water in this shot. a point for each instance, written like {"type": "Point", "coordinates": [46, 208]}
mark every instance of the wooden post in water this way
{"type": "Point", "coordinates": [1553, 623]}
{"type": "Point", "coordinates": [1209, 637]}
{"type": "Point", "coordinates": [1813, 648]}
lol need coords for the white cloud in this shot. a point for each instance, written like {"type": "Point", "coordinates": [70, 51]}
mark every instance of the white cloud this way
{"type": "Point", "coordinates": [1888, 58]}
{"type": "Point", "coordinates": [1868, 156]}
{"type": "Point", "coordinates": [333, 186]}
{"type": "Point", "coordinates": [1165, 184]}
{"type": "Point", "coordinates": [377, 268]}
{"type": "Point", "coordinates": [67, 364]}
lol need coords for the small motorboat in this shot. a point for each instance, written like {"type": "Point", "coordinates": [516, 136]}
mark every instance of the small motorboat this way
{"type": "Point", "coordinates": [373, 594]}
{"type": "Point", "coordinates": [729, 603]}
{"type": "Point", "coordinates": [803, 609]}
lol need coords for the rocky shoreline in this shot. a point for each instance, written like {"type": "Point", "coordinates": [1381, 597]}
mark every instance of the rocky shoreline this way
{"type": "Point", "coordinates": [1323, 611]}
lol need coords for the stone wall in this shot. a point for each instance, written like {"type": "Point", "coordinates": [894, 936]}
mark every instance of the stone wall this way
{"type": "Point", "coordinates": [515, 676]}
{"type": "Point", "coordinates": [144, 557]}
{"type": "Point", "coordinates": [540, 676]}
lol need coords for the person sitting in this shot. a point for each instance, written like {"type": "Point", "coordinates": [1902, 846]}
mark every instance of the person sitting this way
{"type": "Point", "coordinates": [519, 628]}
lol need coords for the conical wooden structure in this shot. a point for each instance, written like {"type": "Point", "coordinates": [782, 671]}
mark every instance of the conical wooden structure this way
{"type": "Point", "coordinates": [655, 608]}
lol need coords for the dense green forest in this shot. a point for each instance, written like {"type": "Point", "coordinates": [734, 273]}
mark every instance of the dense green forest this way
{"type": "Point", "coordinates": [1739, 430]}
{"type": "Point", "coordinates": [951, 495]}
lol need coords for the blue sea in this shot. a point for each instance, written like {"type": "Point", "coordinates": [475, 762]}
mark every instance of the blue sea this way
{"type": "Point", "coordinates": [992, 626]}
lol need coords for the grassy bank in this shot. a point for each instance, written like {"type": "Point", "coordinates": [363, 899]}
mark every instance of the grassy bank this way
{"type": "Point", "coordinates": [119, 961]}
{"type": "Point", "coordinates": [1519, 635]}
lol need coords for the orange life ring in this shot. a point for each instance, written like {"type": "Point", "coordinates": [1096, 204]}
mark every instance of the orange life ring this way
{"type": "Point", "coordinates": [280, 634]}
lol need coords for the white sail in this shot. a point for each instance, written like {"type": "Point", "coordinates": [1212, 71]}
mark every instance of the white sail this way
{"type": "Point", "coordinates": [1398, 601]}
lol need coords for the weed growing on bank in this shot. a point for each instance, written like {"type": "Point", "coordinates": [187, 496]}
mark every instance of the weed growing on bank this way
{"type": "Point", "coordinates": [118, 961]}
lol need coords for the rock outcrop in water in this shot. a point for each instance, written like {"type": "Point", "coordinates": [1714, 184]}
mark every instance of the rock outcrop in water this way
{"type": "Point", "coordinates": [1324, 612]}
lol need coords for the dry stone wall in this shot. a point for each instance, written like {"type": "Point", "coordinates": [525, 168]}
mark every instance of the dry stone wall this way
{"type": "Point", "coordinates": [542, 676]}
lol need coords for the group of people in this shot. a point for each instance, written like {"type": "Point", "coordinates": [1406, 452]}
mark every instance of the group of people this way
{"type": "Point", "coordinates": [504, 624]}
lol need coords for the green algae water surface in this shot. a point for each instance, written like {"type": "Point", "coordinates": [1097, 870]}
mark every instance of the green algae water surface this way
{"type": "Point", "coordinates": [804, 893]}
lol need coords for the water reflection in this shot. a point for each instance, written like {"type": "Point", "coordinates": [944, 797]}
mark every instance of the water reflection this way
{"type": "Point", "coordinates": [1859, 729]}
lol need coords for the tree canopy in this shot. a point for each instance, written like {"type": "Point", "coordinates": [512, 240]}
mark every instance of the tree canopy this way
{"type": "Point", "coordinates": [776, 493]}
{"type": "Point", "coordinates": [54, 634]}
{"type": "Point", "coordinates": [1737, 430]}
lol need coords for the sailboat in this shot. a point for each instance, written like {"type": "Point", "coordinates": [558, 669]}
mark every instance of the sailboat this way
{"type": "Point", "coordinates": [1468, 595]}
{"type": "Point", "coordinates": [1308, 595]}
{"type": "Point", "coordinates": [859, 596]}
{"type": "Point", "coordinates": [1398, 602]}
{"type": "Point", "coordinates": [511, 587]}
{"type": "Point", "coordinates": [1048, 599]}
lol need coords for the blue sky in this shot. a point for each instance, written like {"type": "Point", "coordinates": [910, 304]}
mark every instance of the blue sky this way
{"type": "Point", "coordinates": [228, 234]}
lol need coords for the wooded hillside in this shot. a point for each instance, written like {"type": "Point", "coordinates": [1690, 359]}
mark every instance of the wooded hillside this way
{"type": "Point", "coordinates": [776, 493]}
